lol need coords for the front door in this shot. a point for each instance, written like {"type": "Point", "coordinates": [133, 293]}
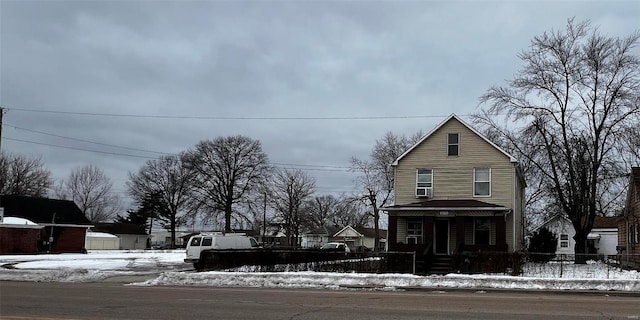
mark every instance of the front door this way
{"type": "Point", "coordinates": [441, 237]}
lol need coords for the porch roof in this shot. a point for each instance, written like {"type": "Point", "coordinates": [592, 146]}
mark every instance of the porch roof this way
{"type": "Point", "coordinates": [447, 205]}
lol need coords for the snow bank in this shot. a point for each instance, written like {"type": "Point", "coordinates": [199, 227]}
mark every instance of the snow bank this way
{"type": "Point", "coordinates": [167, 268]}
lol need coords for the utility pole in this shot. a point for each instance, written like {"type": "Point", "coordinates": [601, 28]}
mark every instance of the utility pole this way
{"type": "Point", "coordinates": [264, 218]}
{"type": "Point", "coordinates": [1, 114]}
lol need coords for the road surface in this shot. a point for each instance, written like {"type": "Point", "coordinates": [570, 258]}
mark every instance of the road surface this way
{"type": "Point", "coordinates": [33, 300]}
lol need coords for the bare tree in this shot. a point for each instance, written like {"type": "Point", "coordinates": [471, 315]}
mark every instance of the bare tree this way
{"type": "Point", "coordinates": [376, 175]}
{"type": "Point", "coordinates": [165, 184]}
{"type": "Point", "coordinates": [91, 190]}
{"type": "Point", "coordinates": [564, 112]}
{"type": "Point", "coordinates": [290, 189]}
{"type": "Point", "coordinates": [350, 211]}
{"type": "Point", "coordinates": [226, 170]}
{"type": "Point", "coordinates": [20, 175]}
{"type": "Point", "coordinates": [321, 210]}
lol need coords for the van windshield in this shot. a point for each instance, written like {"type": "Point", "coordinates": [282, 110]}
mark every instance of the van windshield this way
{"type": "Point", "coordinates": [195, 242]}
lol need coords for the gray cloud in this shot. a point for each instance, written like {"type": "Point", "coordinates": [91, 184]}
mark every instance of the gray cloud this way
{"type": "Point", "coordinates": [257, 59]}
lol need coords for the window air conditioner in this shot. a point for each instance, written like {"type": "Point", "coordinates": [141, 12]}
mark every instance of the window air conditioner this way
{"type": "Point", "coordinates": [412, 240]}
{"type": "Point", "coordinates": [424, 192]}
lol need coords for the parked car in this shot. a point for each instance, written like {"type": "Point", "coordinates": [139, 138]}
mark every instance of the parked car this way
{"type": "Point", "coordinates": [217, 241]}
{"type": "Point", "coordinates": [339, 246]}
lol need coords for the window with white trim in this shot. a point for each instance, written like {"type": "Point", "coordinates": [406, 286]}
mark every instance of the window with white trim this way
{"type": "Point", "coordinates": [564, 240]}
{"type": "Point", "coordinates": [481, 182]}
{"type": "Point", "coordinates": [481, 230]}
{"type": "Point", "coordinates": [414, 231]}
{"type": "Point", "coordinates": [424, 183]}
{"type": "Point", "coordinates": [453, 144]}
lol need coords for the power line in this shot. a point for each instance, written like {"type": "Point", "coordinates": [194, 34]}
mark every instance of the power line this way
{"type": "Point", "coordinates": [282, 165]}
{"type": "Point", "coordinates": [79, 149]}
{"type": "Point", "coordinates": [123, 115]}
{"type": "Point", "coordinates": [157, 152]}
{"type": "Point", "coordinates": [82, 140]}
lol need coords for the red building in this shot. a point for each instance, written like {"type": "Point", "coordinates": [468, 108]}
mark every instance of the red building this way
{"type": "Point", "coordinates": [61, 226]}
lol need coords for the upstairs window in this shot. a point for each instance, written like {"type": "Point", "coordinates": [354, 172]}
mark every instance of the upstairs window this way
{"type": "Point", "coordinates": [481, 182]}
{"type": "Point", "coordinates": [424, 183]}
{"type": "Point", "coordinates": [453, 143]}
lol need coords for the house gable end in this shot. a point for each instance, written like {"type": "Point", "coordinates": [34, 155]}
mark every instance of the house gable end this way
{"type": "Point", "coordinates": [442, 125]}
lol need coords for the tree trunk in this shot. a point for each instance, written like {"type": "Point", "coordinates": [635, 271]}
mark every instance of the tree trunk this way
{"type": "Point", "coordinates": [227, 217]}
{"type": "Point", "coordinates": [173, 230]}
{"type": "Point", "coordinates": [376, 227]}
{"type": "Point", "coordinates": [580, 248]}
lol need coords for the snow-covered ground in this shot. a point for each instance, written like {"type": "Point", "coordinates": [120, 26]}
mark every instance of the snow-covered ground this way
{"type": "Point", "coordinates": [168, 268]}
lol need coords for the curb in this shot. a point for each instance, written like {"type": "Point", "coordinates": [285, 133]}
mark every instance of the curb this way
{"type": "Point", "coordinates": [523, 291]}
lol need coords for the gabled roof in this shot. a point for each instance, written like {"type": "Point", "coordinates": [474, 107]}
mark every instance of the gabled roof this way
{"type": "Point", "coordinates": [371, 232]}
{"type": "Point", "coordinates": [361, 232]}
{"type": "Point", "coordinates": [119, 228]}
{"type": "Point", "coordinates": [42, 210]}
{"type": "Point", "coordinates": [561, 217]}
{"type": "Point", "coordinates": [605, 222]}
{"type": "Point", "coordinates": [452, 205]}
{"type": "Point", "coordinates": [598, 222]}
{"type": "Point", "coordinates": [453, 116]}
{"type": "Point", "coordinates": [348, 231]}
{"type": "Point", "coordinates": [324, 230]}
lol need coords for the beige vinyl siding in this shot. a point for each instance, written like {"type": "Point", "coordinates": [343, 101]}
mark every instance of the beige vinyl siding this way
{"type": "Point", "coordinates": [453, 175]}
{"type": "Point", "coordinates": [402, 230]}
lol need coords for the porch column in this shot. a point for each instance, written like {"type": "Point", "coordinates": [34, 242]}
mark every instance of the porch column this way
{"type": "Point", "coordinates": [501, 233]}
{"type": "Point", "coordinates": [392, 232]}
{"type": "Point", "coordinates": [427, 230]}
{"type": "Point", "coordinates": [459, 232]}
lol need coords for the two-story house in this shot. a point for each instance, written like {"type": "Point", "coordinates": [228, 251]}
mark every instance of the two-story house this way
{"type": "Point", "coordinates": [629, 226]}
{"type": "Point", "coordinates": [455, 190]}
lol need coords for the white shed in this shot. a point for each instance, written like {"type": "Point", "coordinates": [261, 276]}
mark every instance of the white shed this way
{"type": "Point", "coordinates": [102, 241]}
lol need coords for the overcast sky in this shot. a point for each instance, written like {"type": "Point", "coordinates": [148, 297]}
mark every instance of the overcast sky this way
{"type": "Point", "coordinates": [316, 82]}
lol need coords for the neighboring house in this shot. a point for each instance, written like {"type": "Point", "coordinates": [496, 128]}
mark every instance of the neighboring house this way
{"type": "Point", "coordinates": [273, 236]}
{"type": "Point", "coordinates": [162, 239]}
{"type": "Point", "coordinates": [318, 236]}
{"type": "Point", "coordinates": [561, 226]}
{"type": "Point", "coordinates": [456, 191]}
{"type": "Point", "coordinates": [19, 235]}
{"type": "Point", "coordinates": [102, 241]}
{"type": "Point", "coordinates": [361, 238]}
{"type": "Point", "coordinates": [64, 224]}
{"type": "Point", "coordinates": [132, 236]}
{"type": "Point", "coordinates": [602, 240]}
{"type": "Point", "coordinates": [629, 226]}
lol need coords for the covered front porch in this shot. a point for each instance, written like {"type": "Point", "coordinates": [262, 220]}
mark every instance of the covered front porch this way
{"type": "Point", "coordinates": [437, 229]}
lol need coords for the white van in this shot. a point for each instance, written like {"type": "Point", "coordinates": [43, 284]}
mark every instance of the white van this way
{"type": "Point", "coordinates": [217, 241]}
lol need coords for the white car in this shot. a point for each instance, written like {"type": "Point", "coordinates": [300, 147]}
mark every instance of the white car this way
{"type": "Point", "coordinates": [336, 246]}
{"type": "Point", "coordinates": [217, 241]}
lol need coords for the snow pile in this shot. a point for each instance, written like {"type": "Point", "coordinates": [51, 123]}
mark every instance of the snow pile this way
{"type": "Point", "coordinates": [328, 280]}
{"type": "Point", "coordinates": [168, 268]}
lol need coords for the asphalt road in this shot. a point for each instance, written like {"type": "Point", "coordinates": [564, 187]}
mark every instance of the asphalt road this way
{"type": "Point", "coordinates": [32, 300]}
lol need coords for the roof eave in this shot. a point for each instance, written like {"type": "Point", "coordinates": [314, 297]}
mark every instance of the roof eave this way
{"type": "Point", "coordinates": [446, 209]}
